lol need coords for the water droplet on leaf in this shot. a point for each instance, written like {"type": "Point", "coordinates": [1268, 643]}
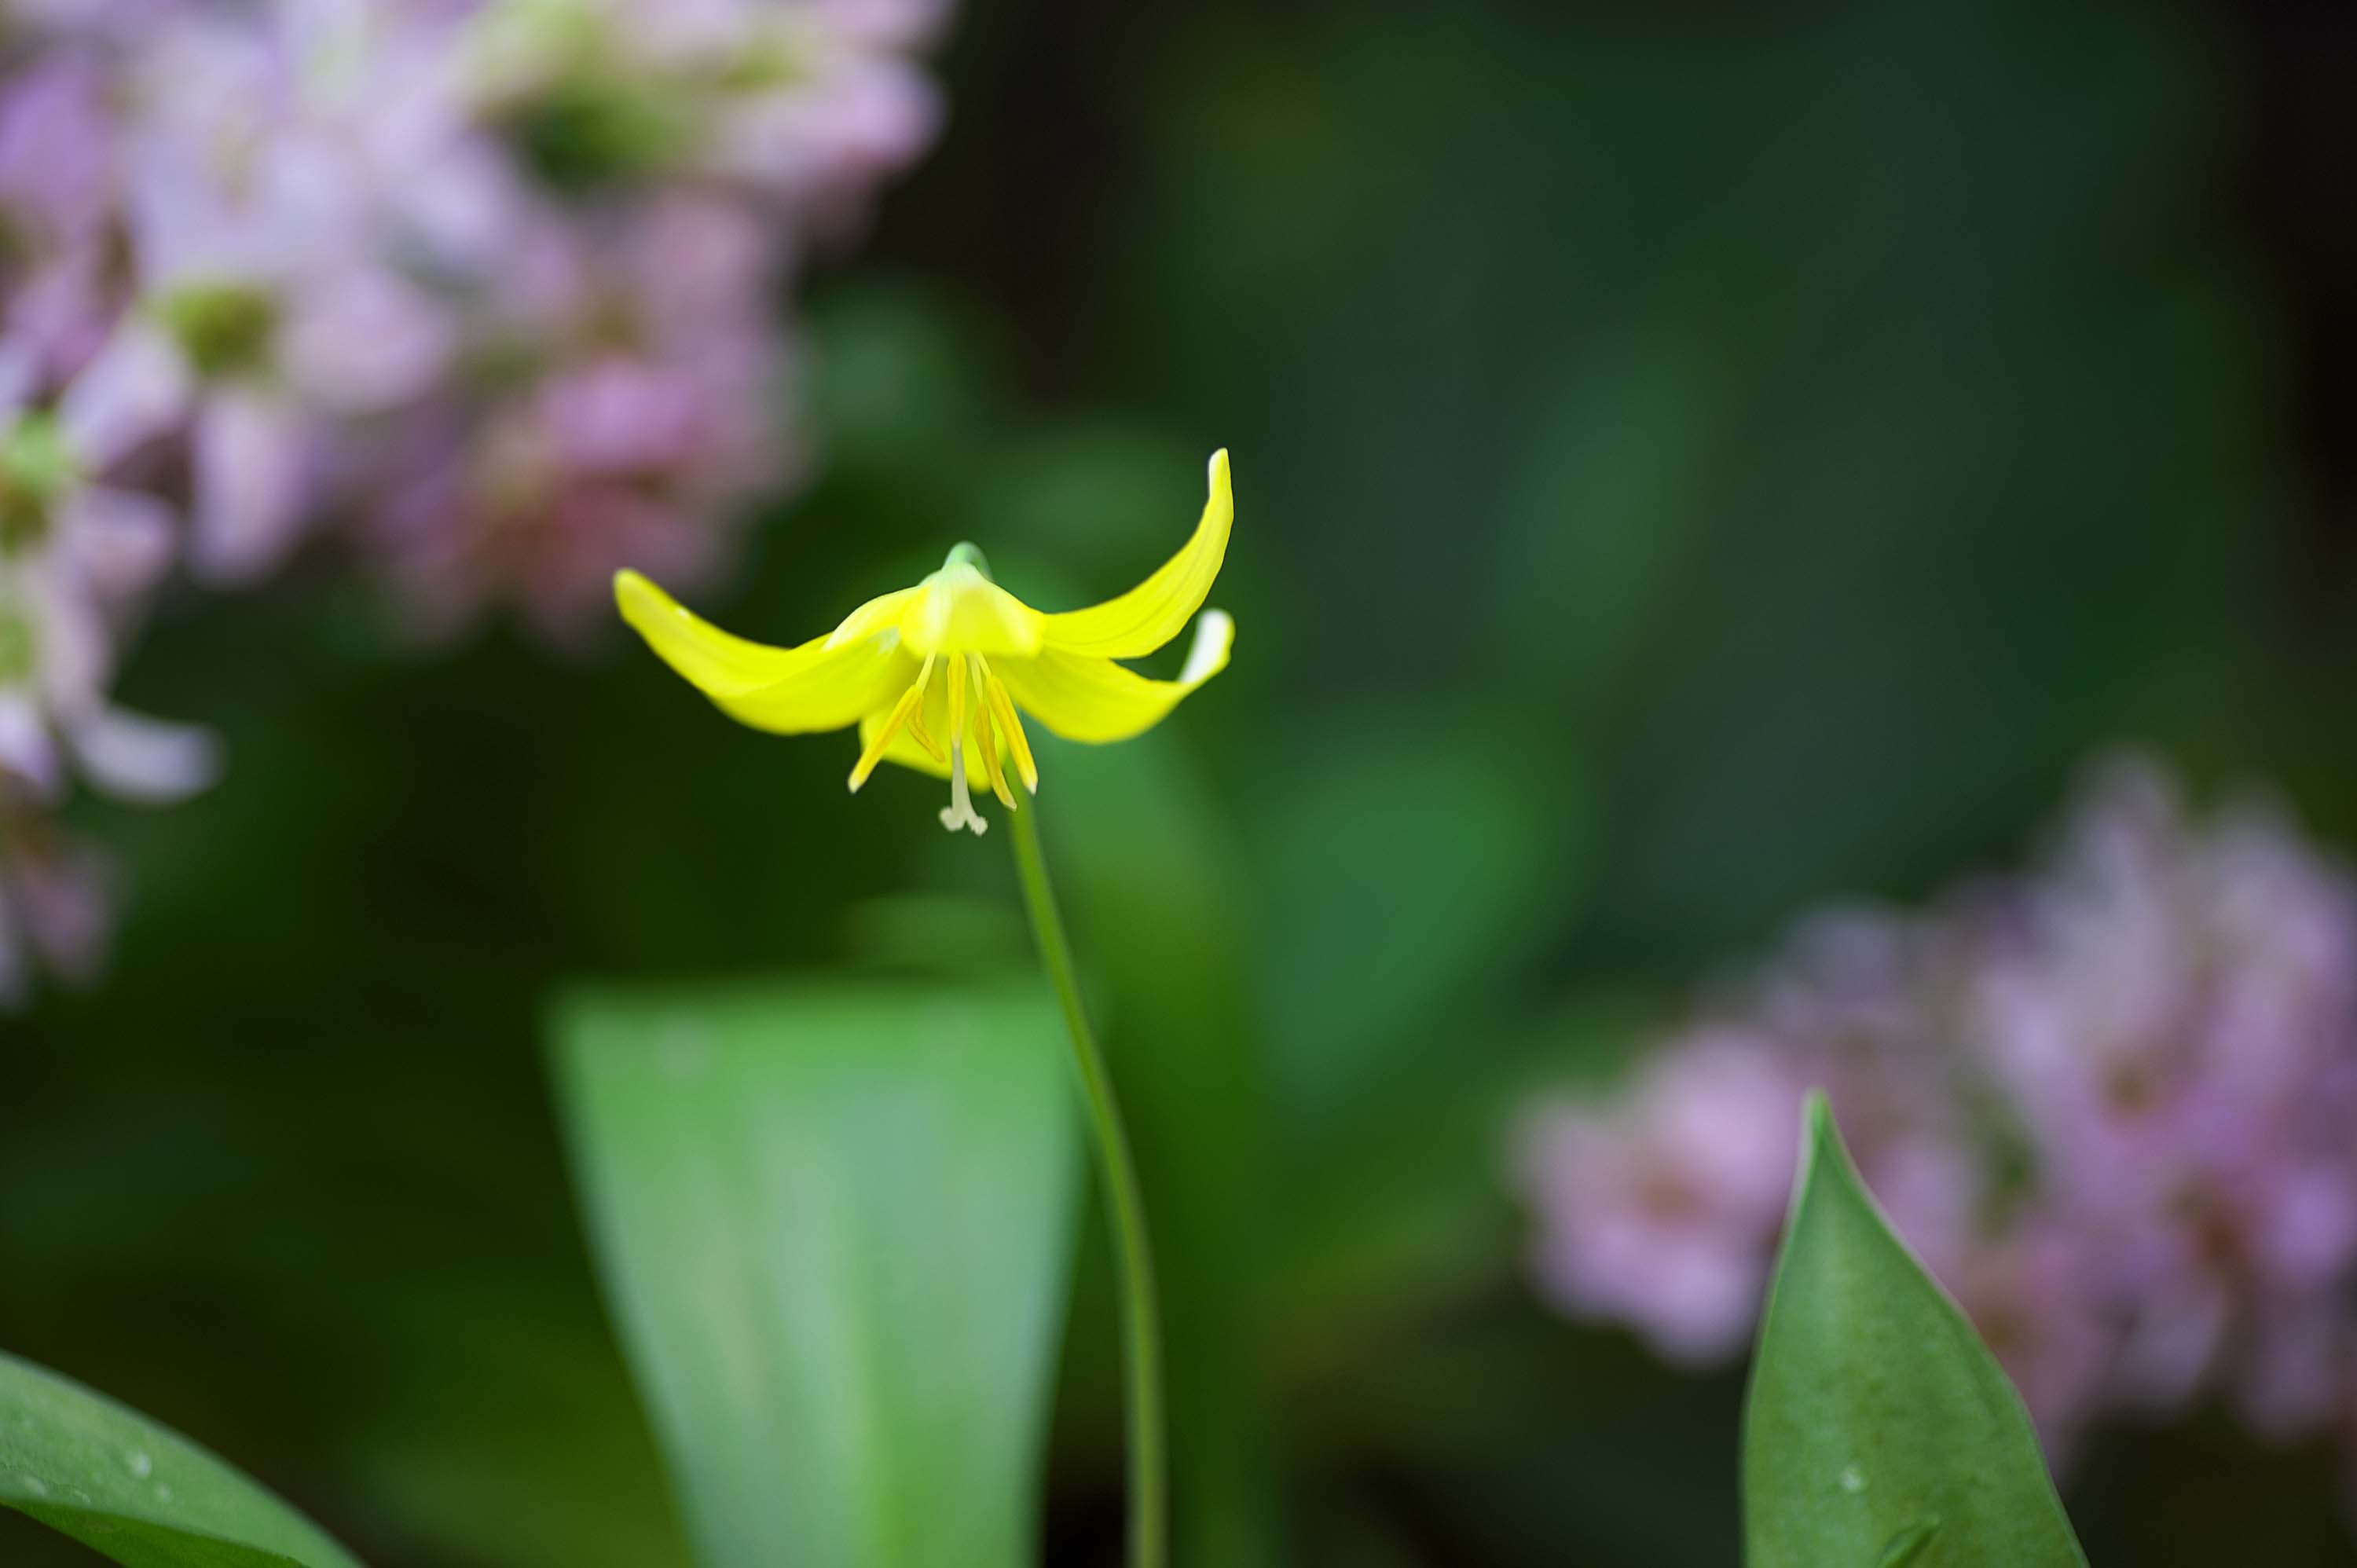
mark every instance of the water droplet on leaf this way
{"type": "Point", "coordinates": [1908, 1544]}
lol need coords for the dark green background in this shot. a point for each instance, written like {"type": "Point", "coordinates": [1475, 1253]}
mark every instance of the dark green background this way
{"type": "Point", "coordinates": [1687, 463]}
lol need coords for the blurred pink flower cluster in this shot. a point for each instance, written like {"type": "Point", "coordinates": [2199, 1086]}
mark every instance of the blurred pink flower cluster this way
{"type": "Point", "coordinates": [2109, 1104]}
{"type": "Point", "coordinates": [492, 288]}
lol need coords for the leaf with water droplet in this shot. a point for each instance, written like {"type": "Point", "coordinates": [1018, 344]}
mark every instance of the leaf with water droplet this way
{"type": "Point", "coordinates": [138, 1492]}
{"type": "Point", "coordinates": [1908, 1544]}
{"type": "Point", "coordinates": [1861, 1354]}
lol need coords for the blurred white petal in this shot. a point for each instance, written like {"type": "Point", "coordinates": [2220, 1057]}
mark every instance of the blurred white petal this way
{"type": "Point", "coordinates": [825, 141]}
{"type": "Point", "coordinates": [366, 340]}
{"type": "Point", "coordinates": [73, 645]}
{"type": "Point", "coordinates": [20, 373]}
{"type": "Point", "coordinates": [134, 757]}
{"type": "Point", "coordinates": [64, 900]}
{"type": "Point", "coordinates": [26, 750]}
{"type": "Point", "coordinates": [138, 386]}
{"type": "Point", "coordinates": [250, 461]}
{"type": "Point", "coordinates": [121, 539]}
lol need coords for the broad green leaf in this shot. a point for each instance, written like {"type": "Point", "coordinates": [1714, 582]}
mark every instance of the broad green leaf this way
{"type": "Point", "coordinates": [1879, 1430]}
{"type": "Point", "coordinates": [835, 1226]}
{"type": "Point", "coordinates": [134, 1491]}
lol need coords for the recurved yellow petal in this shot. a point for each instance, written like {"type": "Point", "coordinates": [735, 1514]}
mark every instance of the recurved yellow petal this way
{"type": "Point", "coordinates": [1095, 700]}
{"type": "Point", "coordinates": [715, 660]}
{"type": "Point", "coordinates": [881, 613]}
{"type": "Point", "coordinates": [1155, 611]}
{"type": "Point", "coordinates": [790, 691]}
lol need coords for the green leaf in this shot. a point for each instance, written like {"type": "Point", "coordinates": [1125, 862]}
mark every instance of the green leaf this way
{"type": "Point", "coordinates": [138, 1492]}
{"type": "Point", "coordinates": [834, 1226]}
{"type": "Point", "coordinates": [1879, 1430]}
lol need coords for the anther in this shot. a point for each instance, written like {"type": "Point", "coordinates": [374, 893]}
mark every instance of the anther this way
{"type": "Point", "coordinates": [904, 712]}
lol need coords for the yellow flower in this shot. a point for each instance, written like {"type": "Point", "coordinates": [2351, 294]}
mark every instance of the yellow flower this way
{"type": "Point", "coordinates": [938, 677]}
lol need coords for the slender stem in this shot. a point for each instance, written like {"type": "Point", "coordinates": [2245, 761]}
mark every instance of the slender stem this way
{"type": "Point", "coordinates": [1149, 1504]}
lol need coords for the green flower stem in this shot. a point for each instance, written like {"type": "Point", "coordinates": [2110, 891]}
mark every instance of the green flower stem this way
{"type": "Point", "coordinates": [1149, 1499]}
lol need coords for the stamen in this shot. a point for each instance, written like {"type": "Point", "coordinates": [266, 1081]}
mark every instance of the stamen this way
{"type": "Point", "coordinates": [917, 730]}
{"type": "Point", "coordinates": [1010, 725]}
{"type": "Point", "coordinates": [902, 713]}
{"type": "Point", "coordinates": [987, 741]}
{"type": "Point", "coordinates": [924, 737]}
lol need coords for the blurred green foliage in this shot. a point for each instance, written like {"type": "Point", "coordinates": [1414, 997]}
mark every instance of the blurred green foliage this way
{"type": "Point", "coordinates": [1685, 467]}
{"type": "Point", "coordinates": [834, 1225]}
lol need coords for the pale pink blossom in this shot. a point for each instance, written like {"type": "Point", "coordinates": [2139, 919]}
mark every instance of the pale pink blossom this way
{"type": "Point", "coordinates": [56, 912]}
{"type": "Point", "coordinates": [1680, 1186]}
{"type": "Point", "coordinates": [277, 264]}
{"type": "Point", "coordinates": [2107, 1102]}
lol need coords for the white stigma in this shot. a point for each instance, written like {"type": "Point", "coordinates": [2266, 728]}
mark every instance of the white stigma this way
{"type": "Point", "coordinates": [960, 813]}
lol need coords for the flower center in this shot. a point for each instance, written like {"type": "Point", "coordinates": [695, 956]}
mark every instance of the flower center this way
{"type": "Point", "coordinates": [20, 651]}
{"type": "Point", "coordinates": [983, 731]}
{"type": "Point", "coordinates": [959, 610]}
{"type": "Point", "coordinates": [224, 329]}
{"type": "Point", "coordinates": [36, 468]}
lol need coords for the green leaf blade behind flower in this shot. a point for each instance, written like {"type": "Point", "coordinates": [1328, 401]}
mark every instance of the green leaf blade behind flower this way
{"type": "Point", "coordinates": [1879, 1430]}
{"type": "Point", "coordinates": [834, 1229]}
{"type": "Point", "coordinates": [136, 1491]}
